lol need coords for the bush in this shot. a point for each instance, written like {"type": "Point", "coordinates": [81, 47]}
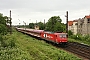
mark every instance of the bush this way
{"type": "Point", "coordinates": [2, 43]}
{"type": "Point", "coordinates": [12, 42]}
{"type": "Point", "coordinates": [1, 39]}
{"type": "Point", "coordinates": [86, 38]}
{"type": "Point", "coordinates": [76, 37]}
{"type": "Point", "coordinates": [9, 53]}
{"type": "Point", "coordinates": [7, 40]}
{"type": "Point", "coordinates": [70, 33]}
{"type": "Point", "coordinates": [3, 29]}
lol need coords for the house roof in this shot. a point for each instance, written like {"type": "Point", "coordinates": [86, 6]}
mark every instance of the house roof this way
{"type": "Point", "coordinates": [75, 20]}
{"type": "Point", "coordinates": [87, 16]}
{"type": "Point", "coordinates": [70, 23]}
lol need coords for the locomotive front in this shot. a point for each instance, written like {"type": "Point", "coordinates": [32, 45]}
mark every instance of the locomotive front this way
{"type": "Point", "coordinates": [61, 38]}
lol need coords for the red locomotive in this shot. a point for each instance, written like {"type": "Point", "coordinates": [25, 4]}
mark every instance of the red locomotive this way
{"type": "Point", "coordinates": [59, 38]}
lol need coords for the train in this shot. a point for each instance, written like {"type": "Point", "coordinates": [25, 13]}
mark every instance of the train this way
{"type": "Point", "coordinates": [55, 37]}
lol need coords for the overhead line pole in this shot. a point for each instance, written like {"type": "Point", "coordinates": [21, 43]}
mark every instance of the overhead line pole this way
{"type": "Point", "coordinates": [52, 24]}
{"type": "Point", "coordinates": [44, 24]}
{"type": "Point", "coordinates": [66, 22]}
{"type": "Point", "coordinates": [10, 23]}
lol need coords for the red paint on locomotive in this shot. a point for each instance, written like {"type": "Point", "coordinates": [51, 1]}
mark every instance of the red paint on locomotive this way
{"type": "Point", "coordinates": [55, 37]}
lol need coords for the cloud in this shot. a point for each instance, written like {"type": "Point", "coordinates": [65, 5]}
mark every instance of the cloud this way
{"type": "Point", "coordinates": [44, 5]}
{"type": "Point", "coordinates": [44, 9]}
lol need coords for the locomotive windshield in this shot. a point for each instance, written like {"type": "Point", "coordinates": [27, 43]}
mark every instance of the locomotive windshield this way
{"type": "Point", "coordinates": [62, 35]}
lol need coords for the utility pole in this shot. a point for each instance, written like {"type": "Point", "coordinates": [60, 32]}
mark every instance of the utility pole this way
{"type": "Point", "coordinates": [66, 22]}
{"type": "Point", "coordinates": [36, 22]}
{"type": "Point", "coordinates": [19, 23]}
{"type": "Point", "coordinates": [25, 25]}
{"type": "Point", "coordinates": [44, 24]}
{"type": "Point", "coordinates": [10, 23]}
{"type": "Point", "coordinates": [52, 23]}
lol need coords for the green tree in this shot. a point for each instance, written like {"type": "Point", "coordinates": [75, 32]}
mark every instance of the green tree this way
{"type": "Point", "coordinates": [3, 29]}
{"type": "Point", "coordinates": [3, 26]}
{"type": "Point", "coordinates": [54, 24]}
{"type": "Point", "coordinates": [59, 27]}
{"type": "Point", "coordinates": [31, 25]}
{"type": "Point", "coordinates": [41, 25]}
{"type": "Point", "coordinates": [70, 33]}
{"type": "Point", "coordinates": [2, 19]}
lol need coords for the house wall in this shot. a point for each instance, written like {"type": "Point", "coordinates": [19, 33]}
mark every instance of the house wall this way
{"type": "Point", "coordinates": [84, 27]}
{"type": "Point", "coordinates": [69, 27]}
{"type": "Point", "coordinates": [74, 28]}
{"type": "Point", "coordinates": [79, 26]}
{"type": "Point", "coordinates": [88, 28]}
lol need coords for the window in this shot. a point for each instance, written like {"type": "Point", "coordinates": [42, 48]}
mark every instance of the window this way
{"type": "Point", "coordinates": [62, 35]}
{"type": "Point", "coordinates": [56, 35]}
{"type": "Point", "coordinates": [88, 21]}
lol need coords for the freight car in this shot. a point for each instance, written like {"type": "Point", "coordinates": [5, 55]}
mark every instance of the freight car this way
{"type": "Point", "coordinates": [58, 38]}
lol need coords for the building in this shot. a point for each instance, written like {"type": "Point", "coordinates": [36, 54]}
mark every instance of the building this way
{"type": "Point", "coordinates": [86, 25]}
{"type": "Point", "coordinates": [72, 25]}
{"type": "Point", "coordinates": [36, 27]}
{"type": "Point", "coordinates": [80, 26]}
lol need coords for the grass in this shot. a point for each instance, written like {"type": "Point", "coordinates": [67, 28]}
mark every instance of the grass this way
{"type": "Point", "coordinates": [79, 41]}
{"type": "Point", "coordinates": [28, 48]}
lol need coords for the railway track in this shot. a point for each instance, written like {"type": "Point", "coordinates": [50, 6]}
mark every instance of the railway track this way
{"type": "Point", "coordinates": [79, 49]}
{"type": "Point", "coordinates": [83, 51]}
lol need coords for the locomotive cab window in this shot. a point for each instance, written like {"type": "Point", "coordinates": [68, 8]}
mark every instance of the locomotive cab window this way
{"type": "Point", "coordinates": [62, 35]}
{"type": "Point", "coordinates": [56, 35]}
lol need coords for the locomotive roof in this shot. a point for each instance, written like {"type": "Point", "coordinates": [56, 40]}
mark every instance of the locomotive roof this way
{"type": "Point", "coordinates": [49, 32]}
{"type": "Point", "coordinates": [30, 29]}
{"type": "Point", "coordinates": [38, 31]}
{"type": "Point", "coordinates": [60, 33]}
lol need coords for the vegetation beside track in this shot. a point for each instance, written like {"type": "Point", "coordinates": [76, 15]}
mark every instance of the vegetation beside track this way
{"type": "Point", "coordinates": [80, 39]}
{"type": "Point", "coordinates": [85, 39]}
{"type": "Point", "coordinates": [30, 48]}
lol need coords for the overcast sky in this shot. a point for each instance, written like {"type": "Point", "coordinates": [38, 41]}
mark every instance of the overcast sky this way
{"type": "Point", "coordinates": [32, 10]}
